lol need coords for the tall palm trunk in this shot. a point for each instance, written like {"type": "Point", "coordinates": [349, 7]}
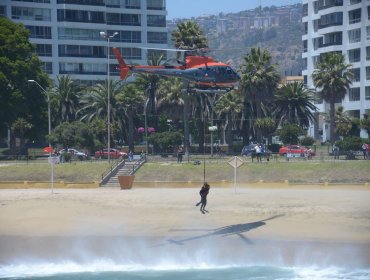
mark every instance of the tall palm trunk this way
{"type": "Point", "coordinates": [332, 120]}
{"type": "Point", "coordinates": [229, 133]}
{"type": "Point", "coordinates": [130, 137]}
{"type": "Point", "coordinates": [186, 119]}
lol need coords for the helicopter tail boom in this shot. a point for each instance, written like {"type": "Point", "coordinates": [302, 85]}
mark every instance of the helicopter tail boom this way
{"type": "Point", "coordinates": [124, 68]}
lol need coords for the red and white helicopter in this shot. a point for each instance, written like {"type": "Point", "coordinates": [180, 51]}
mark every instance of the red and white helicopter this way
{"type": "Point", "coordinates": [202, 71]}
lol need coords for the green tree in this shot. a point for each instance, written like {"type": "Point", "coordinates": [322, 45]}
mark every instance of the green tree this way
{"type": "Point", "coordinates": [20, 126]}
{"type": "Point", "coordinates": [19, 63]}
{"type": "Point", "coordinates": [332, 78]}
{"type": "Point", "coordinates": [65, 99]}
{"type": "Point", "coordinates": [188, 36]}
{"type": "Point", "coordinates": [229, 105]}
{"type": "Point", "coordinates": [94, 104]}
{"type": "Point", "coordinates": [267, 126]}
{"type": "Point", "coordinates": [259, 81]}
{"type": "Point", "coordinates": [365, 124]}
{"type": "Point", "coordinates": [129, 100]}
{"type": "Point", "coordinates": [74, 134]}
{"type": "Point", "coordinates": [289, 133]}
{"type": "Point", "coordinates": [293, 103]}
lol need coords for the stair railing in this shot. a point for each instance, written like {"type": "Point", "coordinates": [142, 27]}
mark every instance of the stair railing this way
{"type": "Point", "coordinates": [106, 174]}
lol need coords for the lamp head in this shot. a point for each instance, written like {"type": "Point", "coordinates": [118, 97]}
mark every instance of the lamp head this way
{"type": "Point", "coordinates": [102, 34]}
{"type": "Point", "coordinates": [115, 34]}
{"type": "Point", "coordinates": [31, 81]}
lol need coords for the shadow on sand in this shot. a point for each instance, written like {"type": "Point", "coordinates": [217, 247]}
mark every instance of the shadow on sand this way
{"type": "Point", "coordinates": [237, 229]}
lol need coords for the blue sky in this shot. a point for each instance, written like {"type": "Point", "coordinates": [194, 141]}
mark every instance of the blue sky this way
{"type": "Point", "coordinates": [194, 8]}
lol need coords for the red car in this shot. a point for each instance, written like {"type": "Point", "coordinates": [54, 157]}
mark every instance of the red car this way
{"type": "Point", "coordinates": [295, 150]}
{"type": "Point", "coordinates": [114, 153]}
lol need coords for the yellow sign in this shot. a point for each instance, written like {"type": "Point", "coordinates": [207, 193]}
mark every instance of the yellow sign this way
{"type": "Point", "coordinates": [235, 162]}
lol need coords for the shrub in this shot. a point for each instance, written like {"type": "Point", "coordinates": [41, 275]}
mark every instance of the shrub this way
{"type": "Point", "coordinates": [308, 141]}
{"type": "Point", "coordinates": [350, 144]}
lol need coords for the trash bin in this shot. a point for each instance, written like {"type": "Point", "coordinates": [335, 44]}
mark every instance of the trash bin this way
{"type": "Point", "coordinates": [126, 181]}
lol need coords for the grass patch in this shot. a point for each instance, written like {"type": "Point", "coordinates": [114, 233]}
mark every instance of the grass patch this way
{"type": "Point", "coordinates": [300, 172]}
{"type": "Point", "coordinates": [68, 172]}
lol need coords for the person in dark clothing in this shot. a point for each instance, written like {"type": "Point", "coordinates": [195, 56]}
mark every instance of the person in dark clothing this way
{"type": "Point", "coordinates": [203, 197]}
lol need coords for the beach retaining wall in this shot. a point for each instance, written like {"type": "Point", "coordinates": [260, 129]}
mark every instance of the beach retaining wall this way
{"type": "Point", "coordinates": [44, 185]}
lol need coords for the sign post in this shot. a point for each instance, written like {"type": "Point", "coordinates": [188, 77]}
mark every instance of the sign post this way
{"type": "Point", "coordinates": [235, 162]}
{"type": "Point", "coordinates": [52, 160]}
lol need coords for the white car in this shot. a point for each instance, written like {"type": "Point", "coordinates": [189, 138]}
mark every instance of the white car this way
{"type": "Point", "coordinates": [77, 154]}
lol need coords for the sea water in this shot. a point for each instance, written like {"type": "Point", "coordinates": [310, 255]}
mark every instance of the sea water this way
{"type": "Point", "coordinates": [107, 270]}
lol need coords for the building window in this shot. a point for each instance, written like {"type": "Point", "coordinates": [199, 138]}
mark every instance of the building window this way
{"type": "Point", "coordinates": [157, 37]}
{"type": "Point", "coordinates": [368, 12]}
{"type": "Point", "coordinates": [39, 32]}
{"type": "Point", "coordinates": [83, 2]}
{"type": "Point", "coordinates": [304, 45]}
{"type": "Point", "coordinates": [305, 10]}
{"type": "Point", "coordinates": [154, 54]}
{"type": "Point", "coordinates": [131, 53]}
{"type": "Point", "coordinates": [367, 93]}
{"type": "Point", "coordinates": [47, 67]}
{"type": "Point", "coordinates": [354, 94]}
{"type": "Point", "coordinates": [78, 34]}
{"type": "Point", "coordinates": [356, 74]}
{"type": "Point", "coordinates": [354, 55]}
{"type": "Point", "coordinates": [156, 20]}
{"type": "Point", "coordinates": [155, 5]}
{"type": "Point", "coordinates": [354, 16]}
{"type": "Point", "coordinates": [368, 32]}
{"type": "Point", "coordinates": [367, 53]}
{"type": "Point", "coordinates": [315, 60]}
{"type": "Point", "coordinates": [354, 35]}
{"type": "Point", "coordinates": [305, 27]}
{"type": "Point", "coordinates": [368, 73]}
{"type": "Point", "coordinates": [333, 19]}
{"type": "Point", "coordinates": [80, 16]}
{"type": "Point", "coordinates": [43, 50]}
{"type": "Point", "coordinates": [305, 63]}
{"type": "Point", "coordinates": [34, 1]}
{"type": "Point", "coordinates": [24, 13]}
{"type": "Point", "coordinates": [353, 113]}
{"type": "Point", "coordinates": [332, 39]}
{"type": "Point", "coordinates": [325, 4]}
{"type": "Point", "coordinates": [129, 36]}
{"type": "Point", "coordinates": [352, 2]}
{"type": "Point", "coordinates": [315, 7]}
{"type": "Point", "coordinates": [123, 19]}
{"type": "Point", "coordinates": [82, 68]}
{"type": "Point", "coordinates": [81, 51]}
{"type": "Point", "coordinates": [2, 11]}
{"type": "Point", "coordinates": [305, 80]}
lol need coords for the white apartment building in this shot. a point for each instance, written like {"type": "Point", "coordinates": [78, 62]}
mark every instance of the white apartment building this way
{"type": "Point", "coordinates": [338, 26]}
{"type": "Point", "coordinates": [67, 33]}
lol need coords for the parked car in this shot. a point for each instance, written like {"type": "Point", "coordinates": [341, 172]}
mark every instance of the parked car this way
{"type": "Point", "coordinates": [295, 151]}
{"type": "Point", "coordinates": [75, 154]}
{"type": "Point", "coordinates": [249, 150]}
{"type": "Point", "coordinates": [114, 153]}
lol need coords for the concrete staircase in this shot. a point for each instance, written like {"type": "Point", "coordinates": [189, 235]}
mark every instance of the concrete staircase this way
{"type": "Point", "coordinates": [125, 168]}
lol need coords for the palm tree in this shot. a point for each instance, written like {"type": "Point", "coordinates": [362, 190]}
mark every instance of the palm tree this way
{"type": "Point", "coordinates": [170, 98]}
{"type": "Point", "coordinates": [65, 95]}
{"type": "Point", "coordinates": [20, 126]}
{"type": "Point", "coordinates": [190, 36]}
{"type": "Point", "coordinates": [229, 105]}
{"type": "Point", "coordinates": [149, 84]}
{"type": "Point", "coordinates": [293, 103]}
{"type": "Point", "coordinates": [94, 103]}
{"type": "Point", "coordinates": [333, 78]}
{"type": "Point", "coordinates": [259, 80]}
{"type": "Point", "coordinates": [129, 99]}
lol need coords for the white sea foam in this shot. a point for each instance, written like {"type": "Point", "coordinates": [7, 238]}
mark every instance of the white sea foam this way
{"type": "Point", "coordinates": [104, 265]}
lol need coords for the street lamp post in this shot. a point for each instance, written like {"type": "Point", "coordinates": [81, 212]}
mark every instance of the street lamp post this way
{"type": "Point", "coordinates": [48, 99]}
{"type": "Point", "coordinates": [146, 126]}
{"type": "Point", "coordinates": [108, 38]}
{"type": "Point", "coordinates": [51, 160]}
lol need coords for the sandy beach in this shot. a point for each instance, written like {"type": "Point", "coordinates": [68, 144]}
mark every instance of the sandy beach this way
{"type": "Point", "coordinates": [315, 225]}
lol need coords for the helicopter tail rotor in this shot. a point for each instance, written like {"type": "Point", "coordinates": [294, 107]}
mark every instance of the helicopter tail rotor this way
{"type": "Point", "coordinates": [123, 66]}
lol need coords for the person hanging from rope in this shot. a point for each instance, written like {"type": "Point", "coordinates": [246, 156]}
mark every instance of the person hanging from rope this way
{"type": "Point", "coordinates": [203, 197]}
